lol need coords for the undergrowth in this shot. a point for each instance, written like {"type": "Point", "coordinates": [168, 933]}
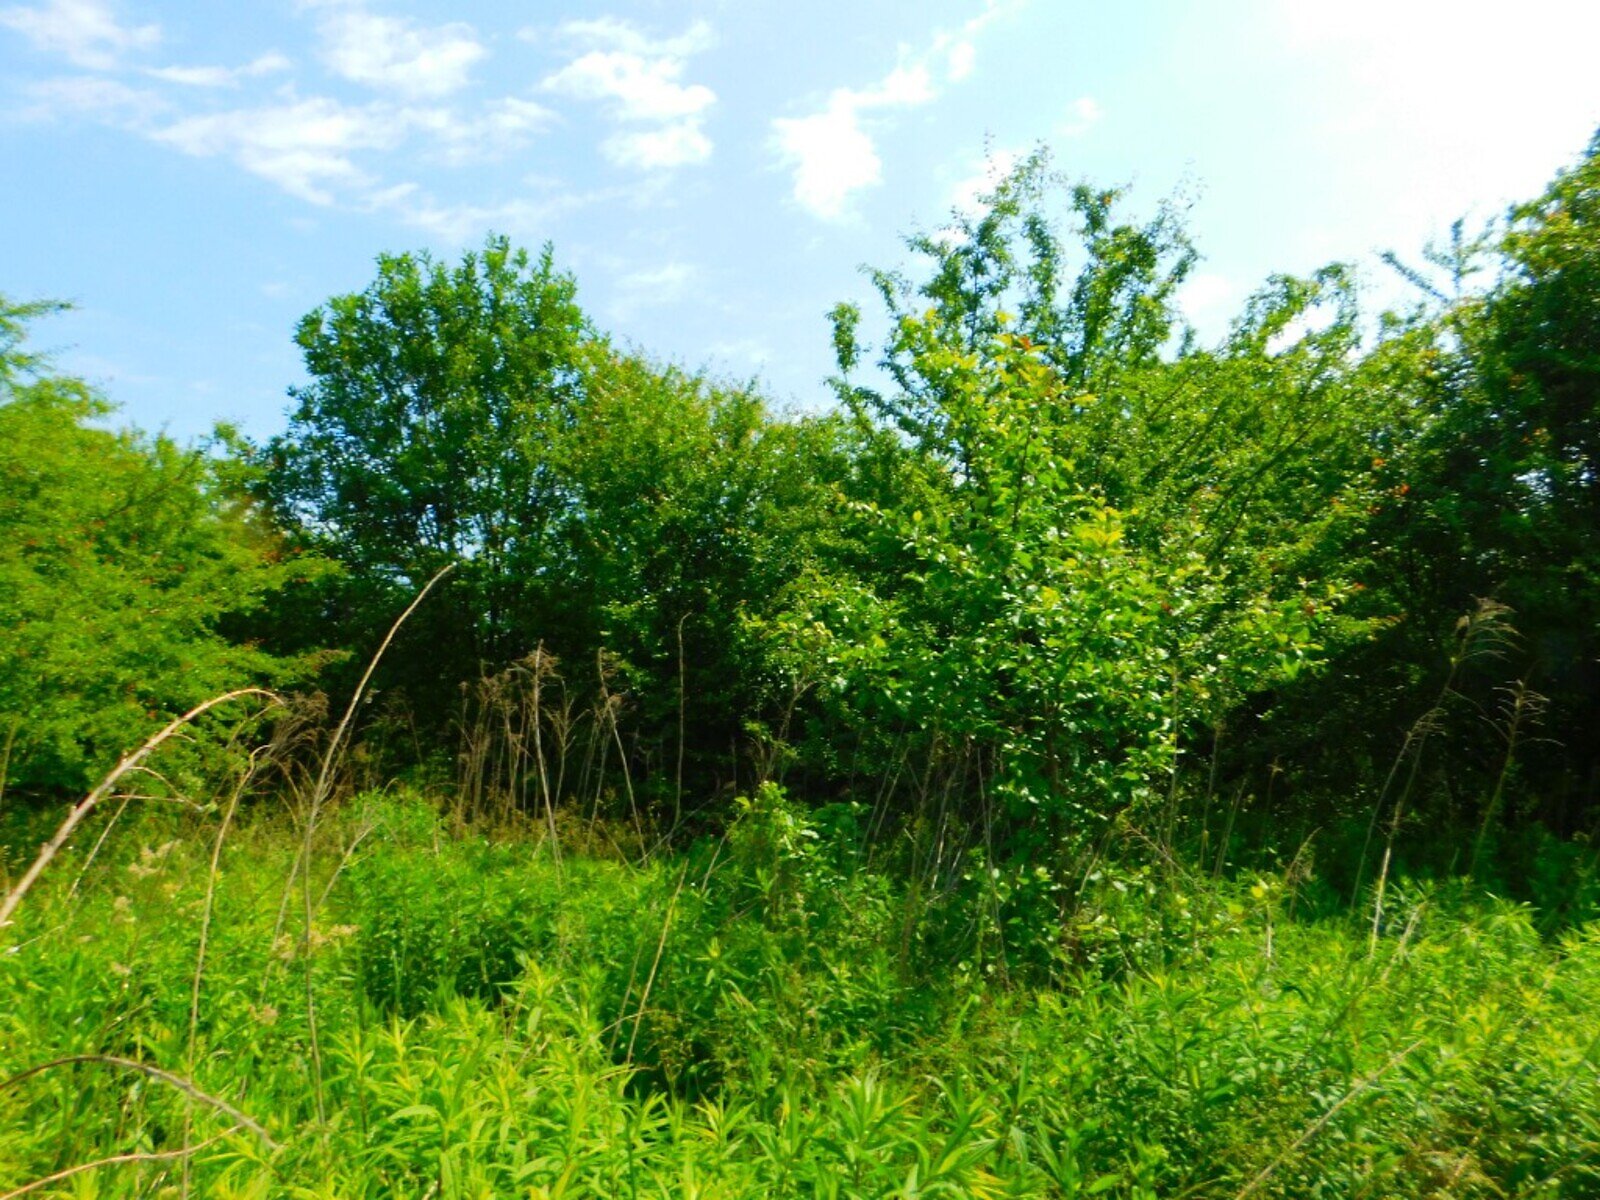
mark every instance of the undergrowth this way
{"type": "Point", "coordinates": [761, 1016]}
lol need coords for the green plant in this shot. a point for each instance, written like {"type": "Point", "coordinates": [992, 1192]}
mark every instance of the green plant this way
{"type": "Point", "coordinates": [126, 563]}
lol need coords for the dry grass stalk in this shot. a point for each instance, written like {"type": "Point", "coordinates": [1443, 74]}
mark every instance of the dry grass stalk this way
{"type": "Point", "coordinates": [187, 1087]}
{"type": "Point", "coordinates": [1321, 1122]}
{"type": "Point", "coordinates": [106, 787]}
{"type": "Point", "coordinates": [138, 1156]}
{"type": "Point", "coordinates": [655, 964]}
{"type": "Point", "coordinates": [318, 797]}
{"type": "Point", "coordinates": [242, 785]}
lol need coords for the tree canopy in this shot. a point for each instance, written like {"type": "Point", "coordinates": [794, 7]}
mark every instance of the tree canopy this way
{"type": "Point", "coordinates": [126, 564]}
{"type": "Point", "coordinates": [1052, 564]}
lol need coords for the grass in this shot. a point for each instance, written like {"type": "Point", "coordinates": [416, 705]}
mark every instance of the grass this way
{"type": "Point", "coordinates": [750, 1019]}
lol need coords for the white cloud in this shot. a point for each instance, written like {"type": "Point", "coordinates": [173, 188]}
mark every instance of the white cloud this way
{"type": "Point", "coordinates": [963, 58]}
{"type": "Point", "coordinates": [310, 147]}
{"type": "Point", "coordinates": [683, 143]}
{"type": "Point", "coordinates": [831, 153]}
{"type": "Point", "coordinates": [832, 156]}
{"type": "Point", "coordinates": [1083, 114]}
{"type": "Point", "coordinates": [327, 151]}
{"type": "Point", "coordinates": [220, 77]}
{"type": "Point", "coordinates": [395, 53]}
{"type": "Point", "coordinates": [903, 87]}
{"type": "Point", "coordinates": [107, 100]}
{"type": "Point", "coordinates": [641, 89]}
{"type": "Point", "coordinates": [1207, 299]}
{"type": "Point", "coordinates": [620, 35]}
{"type": "Point", "coordinates": [666, 284]}
{"type": "Point", "coordinates": [640, 81]}
{"type": "Point", "coordinates": [86, 32]}
{"type": "Point", "coordinates": [1441, 106]}
{"type": "Point", "coordinates": [303, 146]}
{"type": "Point", "coordinates": [490, 132]}
{"type": "Point", "coordinates": [458, 224]}
{"type": "Point", "coordinates": [752, 351]}
{"type": "Point", "coordinates": [958, 51]}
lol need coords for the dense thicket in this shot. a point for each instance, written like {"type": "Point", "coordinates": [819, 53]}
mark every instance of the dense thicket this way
{"type": "Point", "coordinates": [496, 1022]}
{"type": "Point", "coordinates": [1471, 702]}
{"type": "Point", "coordinates": [1087, 762]}
{"type": "Point", "coordinates": [1100, 541]}
{"type": "Point", "coordinates": [620, 520]}
{"type": "Point", "coordinates": [127, 564]}
{"type": "Point", "coordinates": [1053, 569]}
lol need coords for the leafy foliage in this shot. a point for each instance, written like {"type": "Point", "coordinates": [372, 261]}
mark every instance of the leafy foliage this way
{"type": "Point", "coordinates": [125, 563]}
{"type": "Point", "coordinates": [1053, 625]}
{"type": "Point", "coordinates": [1085, 764]}
{"type": "Point", "coordinates": [1483, 486]}
{"type": "Point", "coordinates": [597, 503]}
{"type": "Point", "coordinates": [1249, 1052]}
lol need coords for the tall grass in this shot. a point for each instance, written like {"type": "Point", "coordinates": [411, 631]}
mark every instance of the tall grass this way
{"type": "Point", "coordinates": [747, 1019]}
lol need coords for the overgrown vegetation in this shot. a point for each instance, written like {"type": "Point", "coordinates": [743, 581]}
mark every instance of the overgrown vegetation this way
{"type": "Point", "coordinates": [491, 1024]}
{"type": "Point", "coordinates": [1085, 762]}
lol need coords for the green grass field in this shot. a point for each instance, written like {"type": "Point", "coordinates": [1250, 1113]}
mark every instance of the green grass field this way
{"type": "Point", "coordinates": [467, 1016]}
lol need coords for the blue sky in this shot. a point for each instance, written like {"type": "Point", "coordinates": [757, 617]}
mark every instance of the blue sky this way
{"type": "Point", "coordinates": [194, 177]}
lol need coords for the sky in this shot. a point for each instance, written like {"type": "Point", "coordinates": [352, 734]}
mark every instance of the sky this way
{"type": "Point", "coordinates": [194, 178]}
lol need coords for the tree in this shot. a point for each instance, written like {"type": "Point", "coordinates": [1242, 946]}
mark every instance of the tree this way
{"type": "Point", "coordinates": [1495, 492]}
{"type": "Point", "coordinates": [124, 562]}
{"type": "Point", "coordinates": [425, 435]}
{"type": "Point", "coordinates": [597, 503]}
{"type": "Point", "coordinates": [1068, 577]}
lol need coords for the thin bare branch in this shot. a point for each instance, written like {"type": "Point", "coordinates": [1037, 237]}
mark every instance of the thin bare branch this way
{"type": "Point", "coordinates": [1317, 1126]}
{"type": "Point", "coordinates": [106, 787]}
{"type": "Point", "coordinates": [138, 1156]}
{"type": "Point", "coordinates": [187, 1087]}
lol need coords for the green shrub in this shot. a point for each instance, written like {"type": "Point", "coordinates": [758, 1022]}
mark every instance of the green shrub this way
{"type": "Point", "coordinates": [452, 924]}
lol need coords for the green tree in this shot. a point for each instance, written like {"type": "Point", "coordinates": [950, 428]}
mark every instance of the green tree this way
{"type": "Point", "coordinates": [1494, 491]}
{"type": "Point", "coordinates": [1067, 577]}
{"type": "Point", "coordinates": [597, 503]}
{"type": "Point", "coordinates": [690, 508]}
{"type": "Point", "coordinates": [124, 562]}
{"type": "Point", "coordinates": [425, 434]}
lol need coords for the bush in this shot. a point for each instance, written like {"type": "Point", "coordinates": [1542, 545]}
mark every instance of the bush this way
{"type": "Point", "coordinates": [123, 562]}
